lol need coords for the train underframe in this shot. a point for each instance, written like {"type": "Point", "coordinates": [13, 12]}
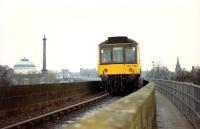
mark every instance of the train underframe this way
{"type": "Point", "coordinates": [121, 84]}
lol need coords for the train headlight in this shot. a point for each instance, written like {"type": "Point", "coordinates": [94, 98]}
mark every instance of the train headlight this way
{"type": "Point", "coordinates": [131, 70]}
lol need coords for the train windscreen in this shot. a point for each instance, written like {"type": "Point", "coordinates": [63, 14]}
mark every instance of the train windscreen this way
{"type": "Point", "coordinates": [130, 54]}
{"type": "Point", "coordinates": [106, 55]}
{"type": "Point", "coordinates": [117, 55]}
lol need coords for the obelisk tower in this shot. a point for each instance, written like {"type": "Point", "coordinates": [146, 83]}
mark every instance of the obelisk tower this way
{"type": "Point", "coordinates": [44, 70]}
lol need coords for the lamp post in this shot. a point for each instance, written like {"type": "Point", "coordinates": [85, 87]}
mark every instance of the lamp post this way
{"type": "Point", "coordinates": [153, 70]}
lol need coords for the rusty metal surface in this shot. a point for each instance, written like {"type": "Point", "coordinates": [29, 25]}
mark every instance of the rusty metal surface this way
{"type": "Point", "coordinates": [168, 116]}
{"type": "Point", "coordinates": [185, 96]}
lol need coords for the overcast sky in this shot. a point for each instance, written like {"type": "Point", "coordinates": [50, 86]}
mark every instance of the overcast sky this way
{"type": "Point", "coordinates": [164, 29]}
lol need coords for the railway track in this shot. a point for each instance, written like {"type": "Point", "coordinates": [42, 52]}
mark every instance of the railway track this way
{"type": "Point", "coordinates": [78, 114]}
{"type": "Point", "coordinates": [29, 123]}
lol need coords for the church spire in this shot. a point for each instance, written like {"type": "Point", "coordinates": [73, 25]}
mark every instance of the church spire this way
{"type": "Point", "coordinates": [178, 67]}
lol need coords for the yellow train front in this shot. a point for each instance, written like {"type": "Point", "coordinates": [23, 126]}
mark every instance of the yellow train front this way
{"type": "Point", "coordinates": [119, 64]}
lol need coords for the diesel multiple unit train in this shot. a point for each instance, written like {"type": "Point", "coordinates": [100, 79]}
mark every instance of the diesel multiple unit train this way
{"type": "Point", "coordinates": [119, 64]}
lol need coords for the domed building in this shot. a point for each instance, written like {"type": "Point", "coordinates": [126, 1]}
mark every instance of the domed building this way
{"type": "Point", "coordinates": [24, 66]}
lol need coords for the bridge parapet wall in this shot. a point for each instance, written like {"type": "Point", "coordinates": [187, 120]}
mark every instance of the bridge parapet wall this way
{"type": "Point", "coordinates": [185, 96]}
{"type": "Point", "coordinates": [135, 111]}
{"type": "Point", "coordinates": [29, 98]}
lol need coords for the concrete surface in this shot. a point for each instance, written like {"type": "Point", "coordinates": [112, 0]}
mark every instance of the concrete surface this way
{"type": "Point", "coordinates": [135, 111]}
{"type": "Point", "coordinates": [168, 116]}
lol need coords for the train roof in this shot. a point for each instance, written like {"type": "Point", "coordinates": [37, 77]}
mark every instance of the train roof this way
{"type": "Point", "coordinates": [118, 40]}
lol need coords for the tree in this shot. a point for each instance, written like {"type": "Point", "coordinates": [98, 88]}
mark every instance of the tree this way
{"type": "Point", "coordinates": [183, 76]}
{"type": "Point", "coordinates": [50, 77]}
{"type": "Point", "coordinates": [192, 76]}
{"type": "Point", "coordinates": [158, 72]}
{"type": "Point", "coordinates": [6, 76]}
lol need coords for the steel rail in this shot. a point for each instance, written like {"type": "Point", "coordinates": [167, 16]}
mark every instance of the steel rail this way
{"type": "Point", "coordinates": [55, 112]}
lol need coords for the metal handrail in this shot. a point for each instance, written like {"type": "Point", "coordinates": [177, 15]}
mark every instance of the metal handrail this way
{"type": "Point", "coordinates": [185, 96]}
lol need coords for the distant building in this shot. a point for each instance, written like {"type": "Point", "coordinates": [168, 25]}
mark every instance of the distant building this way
{"type": "Point", "coordinates": [64, 74]}
{"type": "Point", "coordinates": [88, 72]}
{"type": "Point", "coordinates": [178, 67]}
{"type": "Point", "coordinates": [84, 75]}
{"type": "Point", "coordinates": [24, 66]}
{"type": "Point", "coordinates": [195, 69]}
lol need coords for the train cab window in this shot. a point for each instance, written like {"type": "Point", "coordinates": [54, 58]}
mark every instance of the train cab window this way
{"type": "Point", "coordinates": [130, 54]}
{"type": "Point", "coordinates": [117, 55]}
{"type": "Point", "coordinates": [106, 55]}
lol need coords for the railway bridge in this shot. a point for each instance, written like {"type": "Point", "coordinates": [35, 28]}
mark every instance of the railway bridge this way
{"type": "Point", "coordinates": [161, 104]}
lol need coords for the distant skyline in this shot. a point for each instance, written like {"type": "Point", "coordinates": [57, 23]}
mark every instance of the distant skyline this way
{"type": "Point", "coordinates": [164, 29]}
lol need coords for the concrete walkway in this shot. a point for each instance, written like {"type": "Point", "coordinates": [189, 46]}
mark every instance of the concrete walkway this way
{"type": "Point", "coordinates": [168, 116]}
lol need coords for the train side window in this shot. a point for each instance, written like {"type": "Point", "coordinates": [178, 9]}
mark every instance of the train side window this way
{"type": "Point", "coordinates": [130, 54]}
{"type": "Point", "coordinates": [106, 55]}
